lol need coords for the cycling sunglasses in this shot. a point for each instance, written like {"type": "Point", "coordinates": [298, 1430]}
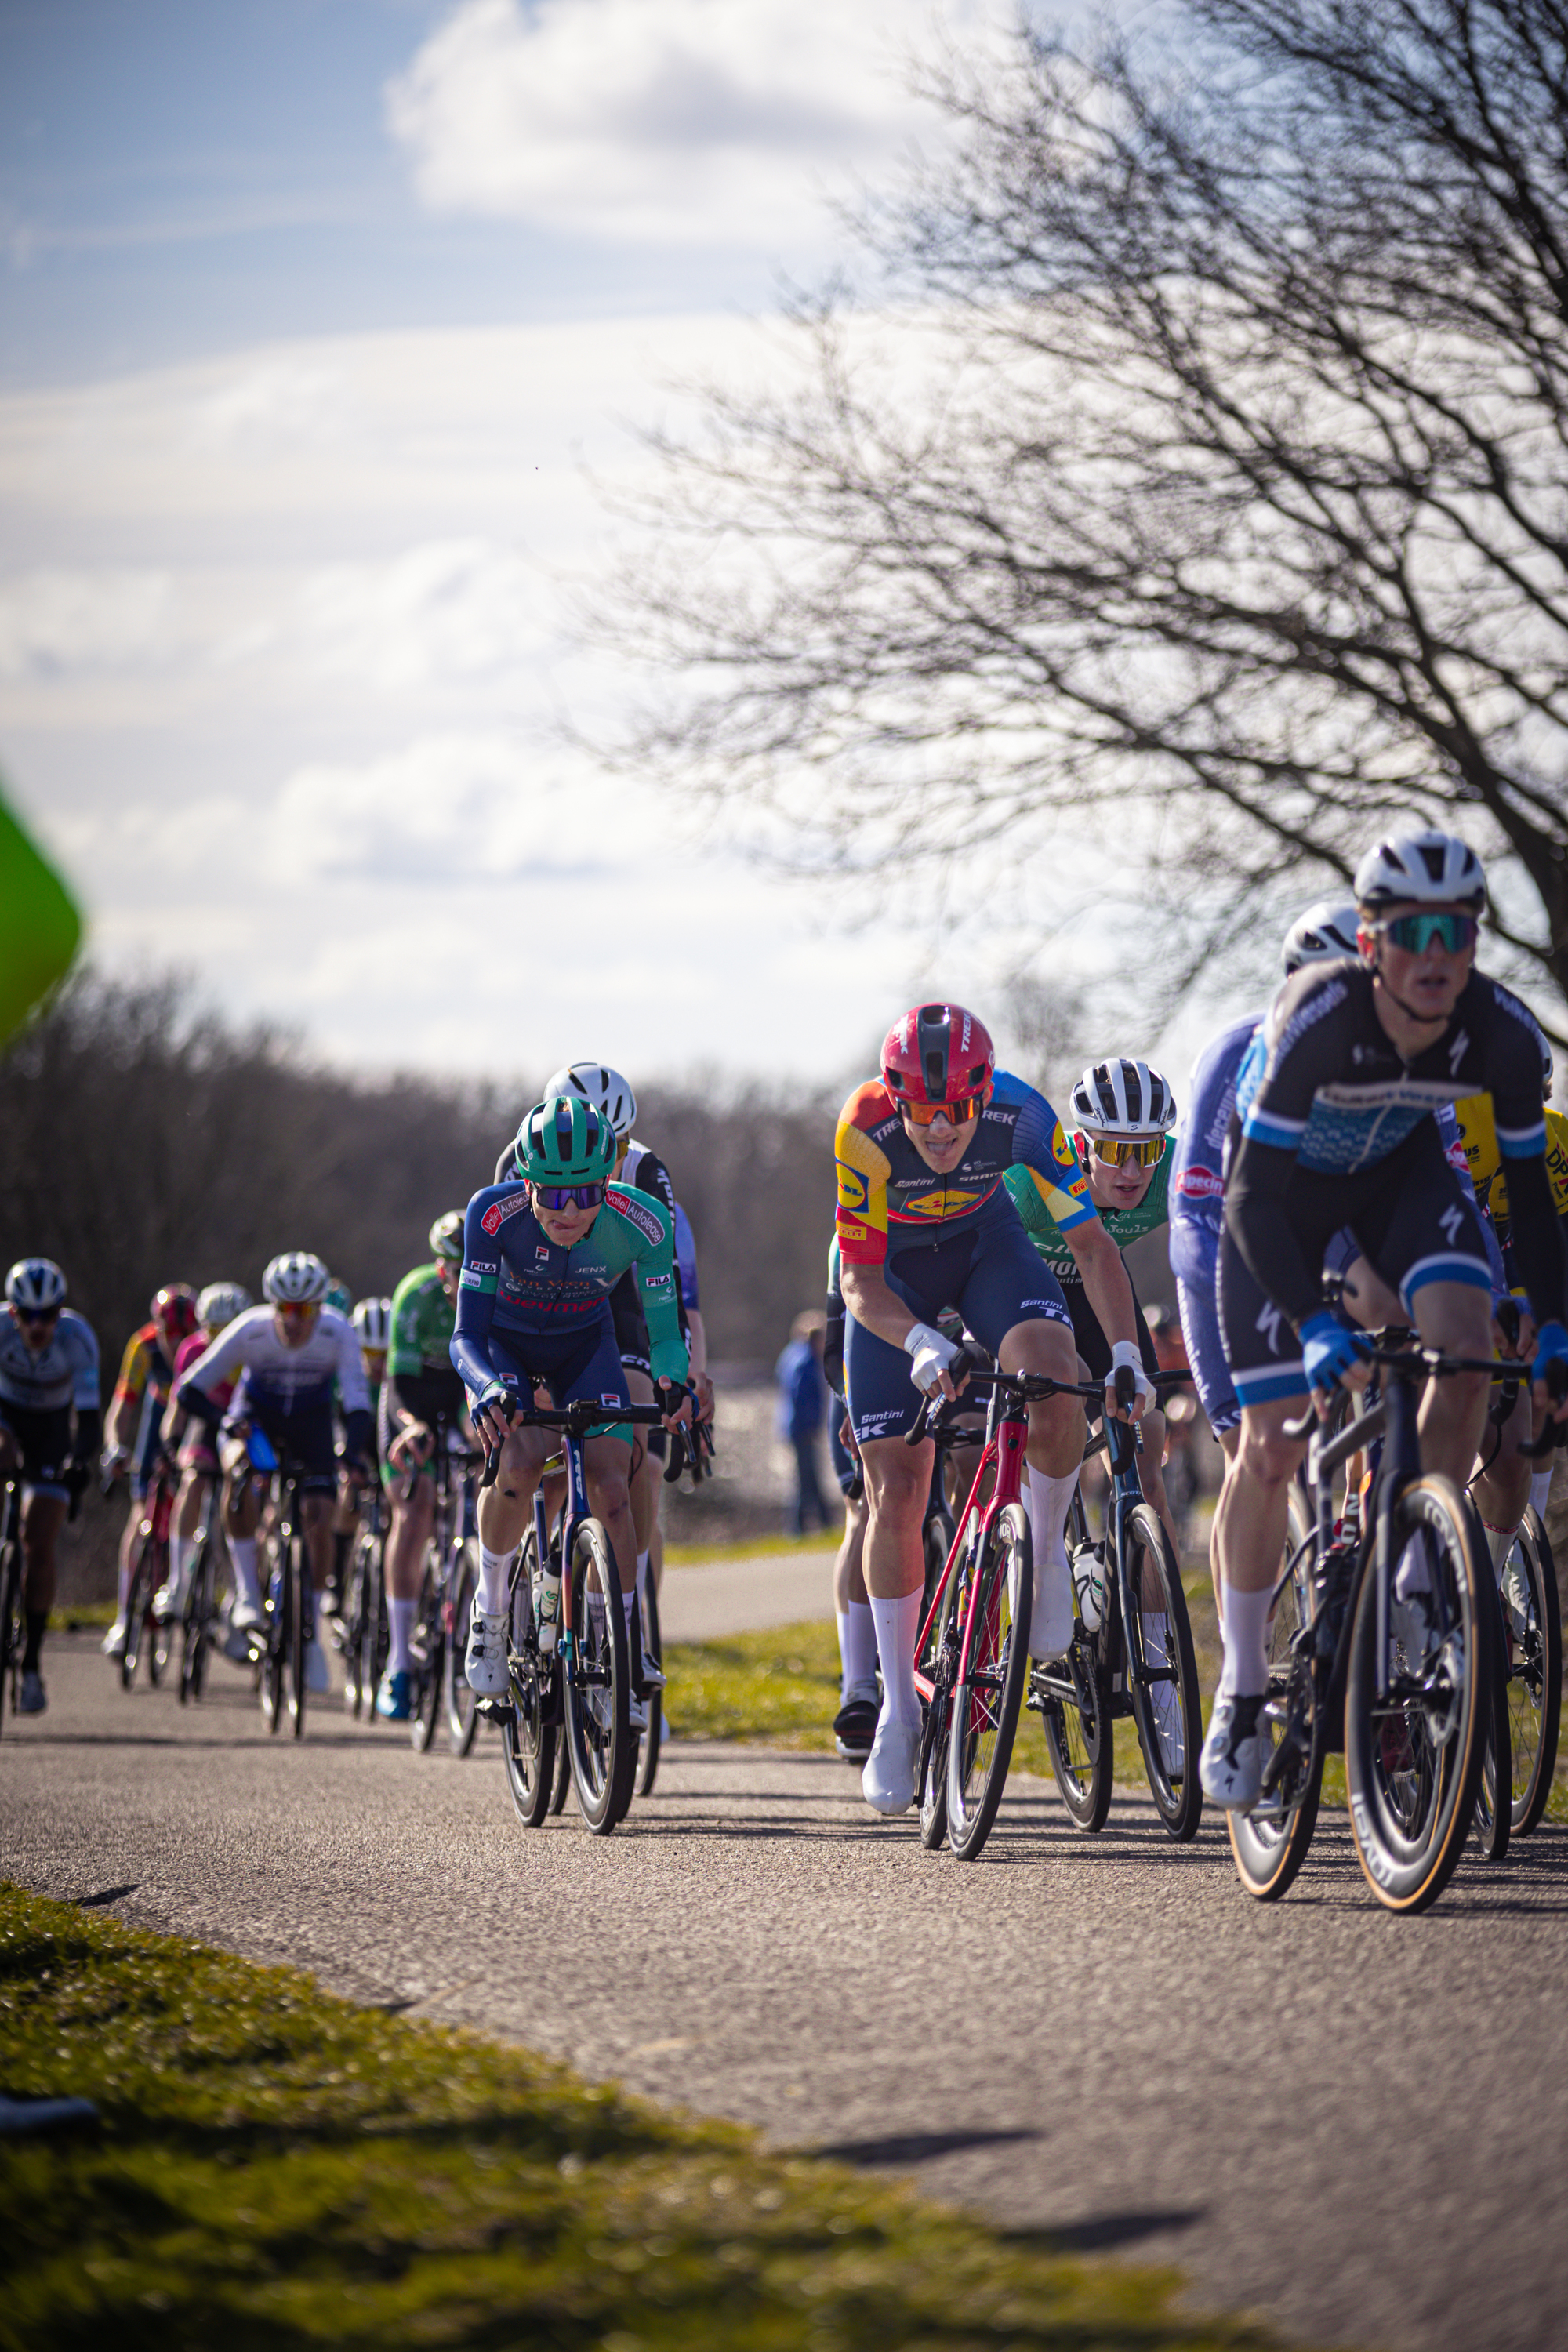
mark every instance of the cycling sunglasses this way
{"type": "Point", "coordinates": [37, 1314]}
{"type": "Point", "coordinates": [958, 1113]}
{"type": "Point", "coordinates": [1417, 933]}
{"type": "Point", "coordinates": [1143, 1151]}
{"type": "Point", "coordinates": [296, 1307]}
{"type": "Point", "coordinates": [557, 1197]}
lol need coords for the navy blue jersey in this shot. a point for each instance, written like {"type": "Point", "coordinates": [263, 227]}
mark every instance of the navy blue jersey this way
{"type": "Point", "coordinates": [519, 1283]}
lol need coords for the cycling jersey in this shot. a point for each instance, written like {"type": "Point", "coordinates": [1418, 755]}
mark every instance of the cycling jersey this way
{"type": "Point", "coordinates": [197, 1449]}
{"type": "Point", "coordinates": [1477, 1132]}
{"type": "Point", "coordinates": [423, 1321]}
{"type": "Point", "coordinates": [1197, 1168]}
{"type": "Point", "coordinates": [63, 1374]}
{"type": "Point", "coordinates": [279, 1382]}
{"type": "Point", "coordinates": [888, 1200]}
{"type": "Point", "coordinates": [1123, 1225]}
{"type": "Point", "coordinates": [1322, 1094]}
{"type": "Point", "coordinates": [517, 1283]}
{"type": "Point", "coordinates": [685, 1261]}
{"type": "Point", "coordinates": [146, 1377]}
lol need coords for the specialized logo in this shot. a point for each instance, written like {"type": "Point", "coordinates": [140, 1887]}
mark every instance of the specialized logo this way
{"type": "Point", "coordinates": [497, 1213]}
{"type": "Point", "coordinates": [1200, 1184]}
{"type": "Point", "coordinates": [1458, 1050]}
{"type": "Point", "coordinates": [636, 1213]}
{"type": "Point", "coordinates": [1268, 1323]}
{"type": "Point", "coordinates": [1450, 1220]}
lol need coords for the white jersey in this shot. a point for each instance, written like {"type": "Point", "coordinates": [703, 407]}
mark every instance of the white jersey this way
{"type": "Point", "coordinates": [276, 1379]}
{"type": "Point", "coordinates": [65, 1374]}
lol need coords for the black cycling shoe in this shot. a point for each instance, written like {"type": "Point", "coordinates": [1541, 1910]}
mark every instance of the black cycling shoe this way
{"type": "Point", "coordinates": [854, 1724]}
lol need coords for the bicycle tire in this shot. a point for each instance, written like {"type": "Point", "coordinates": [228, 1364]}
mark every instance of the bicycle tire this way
{"type": "Point", "coordinates": [1269, 1844]}
{"type": "Point", "coordinates": [988, 1696]}
{"type": "Point", "coordinates": [462, 1707]}
{"type": "Point", "coordinates": [161, 1644]}
{"type": "Point", "coordinates": [193, 1622]}
{"type": "Point", "coordinates": [271, 1665]}
{"type": "Point", "coordinates": [1394, 1760]}
{"type": "Point", "coordinates": [428, 1653]}
{"type": "Point", "coordinates": [530, 1744]}
{"type": "Point", "coordinates": [653, 1647]}
{"type": "Point", "coordinates": [1535, 1674]}
{"type": "Point", "coordinates": [562, 1781]}
{"type": "Point", "coordinates": [597, 1731]}
{"type": "Point", "coordinates": [10, 1628]}
{"type": "Point", "coordinates": [939, 1664]}
{"type": "Point", "coordinates": [297, 1573]}
{"type": "Point", "coordinates": [353, 1625]}
{"type": "Point", "coordinates": [1173, 1780]}
{"type": "Point", "coordinates": [137, 1594]}
{"type": "Point", "coordinates": [1492, 1824]}
{"type": "Point", "coordinates": [1079, 1739]}
{"type": "Point", "coordinates": [376, 1640]}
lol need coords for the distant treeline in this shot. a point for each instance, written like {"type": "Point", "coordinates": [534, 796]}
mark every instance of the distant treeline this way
{"type": "Point", "coordinates": [144, 1140]}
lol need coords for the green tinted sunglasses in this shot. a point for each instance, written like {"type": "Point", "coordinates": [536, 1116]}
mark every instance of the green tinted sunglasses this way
{"type": "Point", "coordinates": [1417, 933]}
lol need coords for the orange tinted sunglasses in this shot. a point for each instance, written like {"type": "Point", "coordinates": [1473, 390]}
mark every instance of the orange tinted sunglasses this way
{"type": "Point", "coordinates": [958, 1114]}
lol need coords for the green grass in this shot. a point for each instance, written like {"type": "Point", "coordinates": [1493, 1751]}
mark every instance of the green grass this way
{"type": "Point", "coordinates": [275, 2169]}
{"type": "Point", "coordinates": [695, 1555]}
{"type": "Point", "coordinates": [781, 1686]}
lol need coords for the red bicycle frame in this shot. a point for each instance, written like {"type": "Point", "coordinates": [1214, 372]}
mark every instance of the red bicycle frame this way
{"type": "Point", "coordinates": [1004, 1443]}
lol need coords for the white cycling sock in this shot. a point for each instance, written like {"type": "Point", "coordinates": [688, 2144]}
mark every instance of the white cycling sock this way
{"type": "Point", "coordinates": [179, 1552]}
{"type": "Point", "coordinates": [242, 1551]}
{"type": "Point", "coordinates": [492, 1597]}
{"type": "Point", "coordinates": [1499, 1542]}
{"type": "Point", "coordinates": [858, 1647]}
{"type": "Point", "coordinates": [1047, 1503]}
{"type": "Point", "coordinates": [898, 1625]}
{"type": "Point", "coordinates": [1540, 1491]}
{"type": "Point", "coordinates": [400, 1623]}
{"type": "Point", "coordinates": [1050, 1617]}
{"type": "Point", "coordinates": [1245, 1673]}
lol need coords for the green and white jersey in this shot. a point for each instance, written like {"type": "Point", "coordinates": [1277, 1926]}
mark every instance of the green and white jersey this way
{"type": "Point", "coordinates": [423, 1321]}
{"type": "Point", "coordinates": [1123, 1225]}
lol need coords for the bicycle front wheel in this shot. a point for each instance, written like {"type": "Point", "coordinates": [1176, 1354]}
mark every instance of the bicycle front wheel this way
{"type": "Point", "coordinates": [196, 1623]}
{"type": "Point", "coordinates": [1269, 1844]}
{"type": "Point", "coordinates": [1416, 1712]}
{"type": "Point", "coordinates": [1532, 1633]}
{"type": "Point", "coordinates": [598, 1734]}
{"type": "Point", "coordinates": [527, 1737]}
{"type": "Point", "coordinates": [160, 1632]}
{"type": "Point", "coordinates": [938, 1666]}
{"type": "Point", "coordinates": [295, 1577]}
{"type": "Point", "coordinates": [354, 1693]}
{"type": "Point", "coordinates": [138, 1597]}
{"type": "Point", "coordinates": [1162, 1671]}
{"type": "Point", "coordinates": [994, 1664]}
{"type": "Point", "coordinates": [652, 1648]}
{"type": "Point", "coordinates": [1493, 1822]}
{"type": "Point", "coordinates": [428, 1654]}
{"type": "Point", "coordinates": [462, 1707]}
{"type": "Point", "coordinates": [11, 1627]}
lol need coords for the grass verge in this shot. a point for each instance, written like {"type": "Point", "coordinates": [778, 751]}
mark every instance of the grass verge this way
{"type": "Point", "coordinates": [694, 1555]}
{"type": "Point", "coordinates": [274, 2167]}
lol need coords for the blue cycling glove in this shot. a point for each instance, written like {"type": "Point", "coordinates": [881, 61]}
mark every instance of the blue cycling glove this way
{"type": "Point", "coordinates": [1330, 1349]}
{"type": "Point", "coordinates": [1551, 1348]}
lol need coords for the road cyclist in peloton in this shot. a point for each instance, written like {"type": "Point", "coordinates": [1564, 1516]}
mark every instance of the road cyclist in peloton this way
{"type": "Point", "coordinates": [925, 1222]}
{"type": "Point", "coordinates": [50, 1424]}
{"type": "Point", "coordinates": [372, 1319]}
{"type": "Point", "coordinates": [193, 1442]}
{"type": "Point", "coordinates": [859, 1699]}
{"type": "Point", "coordinates": [1335, 1130]}
{"type": "Point", "coordinates": [287, 1361]}
{"type": "Point", "coordinates": [133, 1436]}
{"type": "Point", "coordinates": [541, 1255]}
{"type": "Point", "coordinates": [423, 1408]}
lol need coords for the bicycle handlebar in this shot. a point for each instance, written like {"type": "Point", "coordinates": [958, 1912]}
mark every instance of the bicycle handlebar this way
{"type": "Point", "coordinates": [576, 1419]}
{"type": "Point", "coordinates": [1032, 1387]}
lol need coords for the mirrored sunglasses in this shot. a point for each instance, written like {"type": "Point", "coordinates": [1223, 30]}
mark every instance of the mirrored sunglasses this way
{"type": "Point", "coordinates": [296, 1307]}
{"type": "Point", "coordinates": [958, 1114]}
{"type": "Point", "coordinates": [1417, 933]}
{"type": "Point", "coordinates": [1116, 1150]}
{"type": "Point", "coordinates": [557, 1197]}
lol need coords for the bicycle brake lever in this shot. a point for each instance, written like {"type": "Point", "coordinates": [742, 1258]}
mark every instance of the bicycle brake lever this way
{"type": "Point", "coordinates": [958, 1370]}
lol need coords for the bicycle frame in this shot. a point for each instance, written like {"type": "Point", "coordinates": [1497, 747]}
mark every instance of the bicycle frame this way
{"type": "Point", "coordinates": [1007, 1434]}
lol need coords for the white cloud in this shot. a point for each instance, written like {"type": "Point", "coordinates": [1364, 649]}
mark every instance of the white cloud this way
{"type": "Point", "coordinates": [55, 621]}
{"type": "Point", "coordinates": [711, 122]}
{"type": "Point", "coordinates": [452, 609]}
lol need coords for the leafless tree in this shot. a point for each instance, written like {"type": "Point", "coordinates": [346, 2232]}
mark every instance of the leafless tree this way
{"type": "Point", "coordinates": [1198, 480]}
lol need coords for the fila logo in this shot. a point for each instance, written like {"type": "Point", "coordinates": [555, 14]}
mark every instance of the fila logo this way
{"type": "Point", "coordinates": [1457, 1052]}
{"type": "Point", "coordinates": [1268, 1323]}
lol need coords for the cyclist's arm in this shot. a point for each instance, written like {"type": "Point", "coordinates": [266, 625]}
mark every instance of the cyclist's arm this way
{"type": "Point", "coordinates": [655, 1255]}
{"type": "Point", "coordinates": [223, 1359]}
{"type": "Point", "coordinates": [125, 1405]}
{"type": "Point", "coordinates": [469, 1348]}
{"type": "Point", "coordinates": [1105, 1282]}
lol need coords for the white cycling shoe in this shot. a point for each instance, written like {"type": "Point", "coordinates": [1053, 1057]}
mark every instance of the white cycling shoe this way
{"type": "Point", "coordinates": [114, 1640]}
{"type": "Point", "coordinates": [1231, 1764]}
{"type": "Point", "coordinates": [888, 1781]}
{"type": "Point", "coordinates": [485, 1664]}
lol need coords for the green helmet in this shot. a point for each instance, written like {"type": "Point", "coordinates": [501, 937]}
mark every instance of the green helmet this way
{"type": "Point", "coordinates": [564, 1143]}
{"type": "Point", "coordinates": [447, 1237]}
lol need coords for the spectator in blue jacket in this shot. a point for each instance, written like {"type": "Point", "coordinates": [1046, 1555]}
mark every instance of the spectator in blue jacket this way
{"type": "Point", "coordinates": [803, 1410]}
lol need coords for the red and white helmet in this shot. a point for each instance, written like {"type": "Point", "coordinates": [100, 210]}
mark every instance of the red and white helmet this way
{"type": "Point", "coordinates": [936, 1054]}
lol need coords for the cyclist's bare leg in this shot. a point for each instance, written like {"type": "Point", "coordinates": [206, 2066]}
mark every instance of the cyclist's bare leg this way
{"type": "Point", "coordinates": [413, 1517]}
{"type": "Point", "coordinates": [43, 1515]}
{"type": "Point", "coordinates": [1457, 1318]}
{"type": "Point", "coordinates": [241, 1518]}
{"type": "Point", "coordinates": [504, 1507]}
{"type": "Point", "coordinates": [1502, 1491]}
{"type": "Point", "coordinates": [897, 1480]}
{"type": "Point", "coordinates": [848, 1568]}
{"type": "Point", "coordinates": [606, 1468]}
{"type": "Point", "coordinates": [1229, 1442]}
{"type": "Point", "coordinates": [1368, 1299]}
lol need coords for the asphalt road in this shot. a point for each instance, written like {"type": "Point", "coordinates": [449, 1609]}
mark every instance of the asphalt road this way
{"type": "Point", "coordinates": [710, 1597]}
{"type": "Point", "coordinates": [1351, 2125]}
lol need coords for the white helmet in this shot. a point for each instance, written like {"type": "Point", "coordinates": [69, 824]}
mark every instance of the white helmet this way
{"type": "Point", "coordinates": [1123, 1097]}
{"type": "Point", "coordinates": [37, 1284]}
{"type": "Point", "coordinates": [372, 1321]}
{"type": "Point", "coordinates": [219, 1305]}
{"type": "Point", "coordinates": [1329, 928]}
{"type": "Point", "coordinates": [298, 1278]}
{"type": "Point", "coordinates": [1421, 868]}
{"type": "Point", "coordinates": [603, 1090]}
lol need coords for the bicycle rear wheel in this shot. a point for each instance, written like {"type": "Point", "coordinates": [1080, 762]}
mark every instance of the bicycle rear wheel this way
{"type": "Point", "coordinates": [1162, 1671]}
{"type": "Point", "coordinates": [939, 1666]}
{"type": "Point", "coordinates": [462, 1707]}
{"type": "Point", "coordinates": [993, 1668]}
{"type": "Point", "coordinates": [598, 1734]}
{"type": "Point", "coordinates": [1533, 1641]}
{"type": "Point", "coordinates": [160, 1632]}
{"type": "Point", "coordinates": [652, 1648]}
{"type": "Point", "coordinates": [374, 1635]}
{"type": "Point", "coordinates": [1413, 1755]}
{"type": "Point", "coordinates": [529, 1741]}
{"type": "Point", "coordinates": [1269, 1844]}
{"type": "Point", "coordinates": [428, 1658]}
{"type": "Point", "coordinates": [1074, 1698]}
{"type": "Point", "coordinates": [353, 1623]}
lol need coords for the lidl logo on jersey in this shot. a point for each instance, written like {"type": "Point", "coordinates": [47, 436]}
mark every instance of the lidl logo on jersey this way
{"type": "Point", "coordinates": [851, 1189]}
{"type": "Point", "coordinates": [950, 1204]}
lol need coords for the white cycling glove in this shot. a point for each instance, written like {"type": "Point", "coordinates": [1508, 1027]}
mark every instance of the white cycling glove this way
{"type": "Point", "coordinates": [931, 1354]}
{"type": "Point", "coordinates": [1127, 1351]}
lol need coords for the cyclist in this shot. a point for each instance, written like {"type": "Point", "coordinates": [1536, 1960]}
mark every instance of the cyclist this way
{"type": "Point", "coordinates": [287, 1358]}
{"type": "Point", "coordinates": [48, 1371]}
{"type": "Point", "coordinates": [133, 1436]}
{"type": "Point", "coordinates": [926, 1222]}
{"type": "Point", "coordinates": [372, 1321]}
{"type": "Point", "coordinates": [191, 1442]}
{"type": "Point", "coordinates": [1335, 1130]}
{"type": "Point", "coordinates": [540, 1258]}
{"type": "Point", "coordinates": [422, 1407]}
{"type": "Point", "coordinates": [1125, 1111]}
{"type": "Point", "coordinates": [859, 1702]}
